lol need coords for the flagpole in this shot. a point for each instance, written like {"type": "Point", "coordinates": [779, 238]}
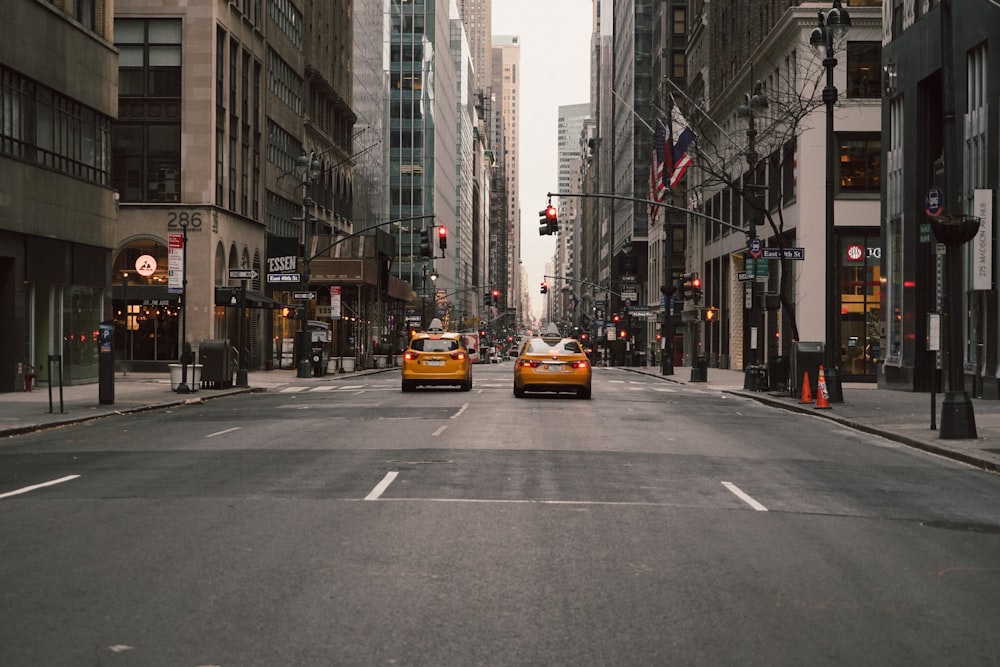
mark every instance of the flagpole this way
{"type": "Point", "coordinates": [634, 112]}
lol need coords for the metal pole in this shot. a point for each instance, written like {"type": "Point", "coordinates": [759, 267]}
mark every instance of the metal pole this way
{"type": "Point", "coordinates": [183, 387]}
{"type": "Point", "coordinates": [958, 419]}
{"type": "Point", "coordinates": [831, 375]}
{"type": "Point", "coordinates": [241, 371]}
{"type": "Point", "coordinates": [304, 368]}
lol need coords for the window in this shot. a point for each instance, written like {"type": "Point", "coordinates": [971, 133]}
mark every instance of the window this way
{"type": "Point", "coordinates": [678, 64]}
{"type": "Point", "coordinates": [864, 62]}
{"type": "Point", "coordinates": [55, 131]}
{"type": "Point", "coordinates": [146, 149]}
{"type": "Point", "coordinates": [859, 162]}
{"type": "Point", "coordinates": [679, 22]}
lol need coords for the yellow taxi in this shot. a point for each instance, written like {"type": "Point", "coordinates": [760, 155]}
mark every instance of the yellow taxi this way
{"type": "Point", "coordinates": [551, 363]}
{"type": "Point", "coordinates": [436, 357]}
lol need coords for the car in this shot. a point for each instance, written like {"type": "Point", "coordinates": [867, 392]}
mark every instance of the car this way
{"type": "Point", "coordinates": [436, 357]}
{"type": "Point", "coordinates": [552, 363]}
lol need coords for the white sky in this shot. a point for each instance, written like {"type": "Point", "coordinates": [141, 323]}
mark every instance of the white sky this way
{"type": "Point", "coordinates": [555, 71]}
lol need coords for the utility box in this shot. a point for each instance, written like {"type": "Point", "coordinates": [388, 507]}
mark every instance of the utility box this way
{"type": "Point", "coordinates": [807, 357]}
{"type": "Point", "coordinates": [216, 359]}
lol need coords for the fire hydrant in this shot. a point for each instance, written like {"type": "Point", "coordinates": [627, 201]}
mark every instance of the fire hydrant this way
{"type": "Point", "coordinates": [29, 376]}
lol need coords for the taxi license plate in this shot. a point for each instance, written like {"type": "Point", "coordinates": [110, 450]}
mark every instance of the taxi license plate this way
{"type": "Point", "coordinates": [434, 362]}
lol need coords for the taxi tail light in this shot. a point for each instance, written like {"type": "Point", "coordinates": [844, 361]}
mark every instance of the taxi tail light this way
{"type": "Point", "coordinates": [410, 356]}
{"type": "Point", "coordinates": [458, 356]}
{"type": "Point", "coordinates": [581, 364]}
{"type": "Point", "coordinates": [528, 363]}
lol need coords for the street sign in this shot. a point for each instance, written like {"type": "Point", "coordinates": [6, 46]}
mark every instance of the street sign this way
{"type": "Point", "coordinates": [933, 202]}
{"type": "Point", "coordinates": [744, 276]}
{"type": "Point", "coordinates": [242, 274]}
{"type": "Point", "coordinates": [783, 253]}
{"type": "Point", "coordinates": [755, 247]}
{"type": "Point", "coordinates": [305, 296]}
{"type": "Point", "coordinates": [283, 278]}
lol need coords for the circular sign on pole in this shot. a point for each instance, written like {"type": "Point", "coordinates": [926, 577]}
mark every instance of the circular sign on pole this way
{"type": "Point", "coordinates": [145, 265]}
{"type": "Point", "coordinates": [934, 202]}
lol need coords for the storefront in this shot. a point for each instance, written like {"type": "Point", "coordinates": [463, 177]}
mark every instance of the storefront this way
{"type": "Point", "coordinates": [860, 311]}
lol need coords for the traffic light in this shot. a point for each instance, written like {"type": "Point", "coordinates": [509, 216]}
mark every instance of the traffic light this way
{"type": "Point", "coordinates": [616, 318]}
{"type": "Point", "coordinates": [425, 243]}
{"type": "Point", "coordinates": [543, 224]}
{"type": "Point", "coordinates": [548, 221]}
{"type": "Point", "coordinates": [496, 297]}
{"type": "Point", "coordinates": [442, 238]}
{"type": "Point", "coordinates": [690, 287]}
{"type": "Point", "coordinates": [552, 218]}
{"type": "Point", "coordinates": [545, 287]}
{"type": "Point", "coordinates": [487, 300]}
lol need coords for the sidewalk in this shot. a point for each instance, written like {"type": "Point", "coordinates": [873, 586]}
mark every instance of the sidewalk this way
{"type": "Point", "coordinates": [23, 412]}
{"type": "Point", "coordinates": [902, 416]}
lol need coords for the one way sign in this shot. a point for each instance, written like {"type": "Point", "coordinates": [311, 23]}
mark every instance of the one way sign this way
{"type": "Point", "coordinates": [243, 274]}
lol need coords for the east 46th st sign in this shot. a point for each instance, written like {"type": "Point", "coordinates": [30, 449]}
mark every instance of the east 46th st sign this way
{"type": "Point", "coordinates": [783, 253]}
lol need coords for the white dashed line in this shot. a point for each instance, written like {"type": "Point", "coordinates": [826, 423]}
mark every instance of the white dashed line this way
{"type": "Point", "coordinates": [744, 497]}
{"type": "Point", "coordinates": [382, 486]}
{"type": "Point", "coordinates": [38, 486]}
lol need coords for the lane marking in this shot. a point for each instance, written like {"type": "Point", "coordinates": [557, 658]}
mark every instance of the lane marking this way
{"type": "Point", "coordinates": [744, 497]}
{"type": "Point", "coordinates": [291, 390]}
{"type": "Point", "coordinates": [228, 430]}
{"type": "Point", "coordinates": [460, 411]}
{"type": "Point", "coordinates": [382, 486]}
{"type": "Point", "coordinates": [439, 431]}
{"type": "Point", "coordinates": [38, 486]}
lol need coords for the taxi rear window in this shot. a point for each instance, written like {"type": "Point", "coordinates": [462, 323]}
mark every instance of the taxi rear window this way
{"type": "Point", "coordinates": [539, 346]}
{"type": "Point", "coordinates": [434, 344]}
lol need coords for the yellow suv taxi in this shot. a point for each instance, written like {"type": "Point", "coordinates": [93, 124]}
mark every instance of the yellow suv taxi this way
{"type": "Point", "coordinates": [552, 363]}
{"type": "Point", "coordinates": [436, 357]}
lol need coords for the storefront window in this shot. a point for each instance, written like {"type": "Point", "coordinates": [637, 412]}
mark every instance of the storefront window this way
{"type": "Point", "coordinates": [860, 307]}
{"type": "Point", "coordinates": [82, 309]}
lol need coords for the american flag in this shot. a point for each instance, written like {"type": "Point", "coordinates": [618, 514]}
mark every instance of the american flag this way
{"type": "Point", "coordinates": [679, 138]}
{"type": "Point", "coordinates": [657, 182]}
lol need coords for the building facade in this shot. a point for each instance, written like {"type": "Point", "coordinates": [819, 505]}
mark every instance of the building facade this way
{"type": "Point", "coordinates": [57, 206]}
{"type": "Point", "coordinates": [919, 158]}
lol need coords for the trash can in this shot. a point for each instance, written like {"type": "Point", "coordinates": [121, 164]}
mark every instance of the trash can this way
{"type": "Point", "coordinates": [807, 357]}
{"type": "Point", "coordinates": [777, 371]}
{"type": "Point", "coordinates": [216, 360]}
{"type": "Point", "coordinates": [699, 370]}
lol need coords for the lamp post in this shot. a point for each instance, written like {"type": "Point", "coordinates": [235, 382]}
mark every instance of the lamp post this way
{"type": "Point", "coordinates": [186, 359]}
{"type": "Point", "coordinates": [752, 103]}
{"type": "Point", "coordinates": [308, 167]}
{"type": "Point", "coordinates": [831, 26]}
{"type": "Point", "coordinates": [953, 229]}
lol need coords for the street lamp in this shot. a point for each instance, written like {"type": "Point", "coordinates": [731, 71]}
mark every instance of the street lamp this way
{"type": "Point", "coordinates": [752, 103]}
{"type": "Point", "coordinates": [308, 167]}
{"type": "Point", "coordinates": [831, 26]}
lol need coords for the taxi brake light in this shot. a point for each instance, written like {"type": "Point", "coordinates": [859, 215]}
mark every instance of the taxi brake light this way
{"type": "Point", "coordinates": [580, 364]}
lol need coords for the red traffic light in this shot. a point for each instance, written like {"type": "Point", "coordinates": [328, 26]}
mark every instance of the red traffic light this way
{"type": "Point", "coordinates": [550, 212]}
{"type": "Point", "coordinates": [496, 293]}
{"type": "Point", "coordinates": [696, 282]}
{"type": "Point", "coordinates": [442, 237]}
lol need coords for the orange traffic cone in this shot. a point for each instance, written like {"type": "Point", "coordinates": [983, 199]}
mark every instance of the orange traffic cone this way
{"type": "Point", "coordinates": [807, 396]}
{"type": "Point", "coordinates": [822, 395]}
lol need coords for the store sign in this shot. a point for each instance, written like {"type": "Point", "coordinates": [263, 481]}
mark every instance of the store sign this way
{"type": "Point", "coordinates": [145, 265]}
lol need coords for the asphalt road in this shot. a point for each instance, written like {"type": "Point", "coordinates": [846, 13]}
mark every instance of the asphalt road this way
{"type": "Point", "coordinates": [351, 524]}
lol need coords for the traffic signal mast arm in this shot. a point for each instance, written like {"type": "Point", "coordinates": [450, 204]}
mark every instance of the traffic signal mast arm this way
{"type": "Point", "coordinates": [583, 282]}
{"type": "Point", "coordinates": [366, 230]}
{"type": "Point", "coordinates": [651, 202]}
